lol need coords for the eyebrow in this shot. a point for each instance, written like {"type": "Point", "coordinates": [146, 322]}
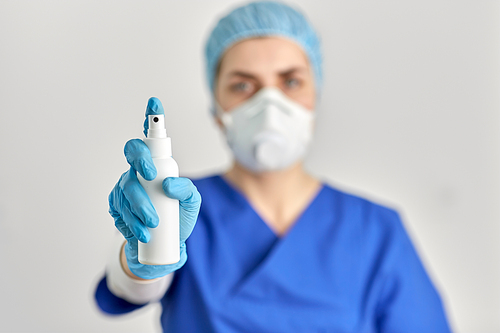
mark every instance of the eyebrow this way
{"type": "Point", "coordinates": [292, 70]}
{"type": "Point", "coordinates": [242, 74]}
{"type": "Point", "coordinates": [250, 76]}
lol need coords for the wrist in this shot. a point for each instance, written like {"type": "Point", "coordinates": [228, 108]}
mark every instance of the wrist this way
{"type": "Point", "coordinates": [126, 269]}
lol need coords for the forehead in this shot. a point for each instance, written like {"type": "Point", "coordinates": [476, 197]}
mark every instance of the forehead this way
{"type": "Point", "coordinates": [263, 54]}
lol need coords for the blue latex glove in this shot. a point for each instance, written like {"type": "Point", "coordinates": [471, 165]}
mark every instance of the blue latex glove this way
{"type": "Point", "coordinates": [133, 211]}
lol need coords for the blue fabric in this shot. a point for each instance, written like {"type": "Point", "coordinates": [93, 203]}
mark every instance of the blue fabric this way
{"type": "Point", "coordinates": [111, 304]}
{"type": "Point", "coordinates": [347, 265]}
{"type": "Point", "coordinates": [262, 18]}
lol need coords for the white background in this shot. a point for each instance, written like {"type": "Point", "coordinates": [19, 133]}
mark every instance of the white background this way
{"type": "Point", "coordinates": [409, 118]}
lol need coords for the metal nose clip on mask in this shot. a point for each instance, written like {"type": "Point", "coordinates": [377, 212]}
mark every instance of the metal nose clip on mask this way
{"type": "Point", "coordinates": [269, 131]}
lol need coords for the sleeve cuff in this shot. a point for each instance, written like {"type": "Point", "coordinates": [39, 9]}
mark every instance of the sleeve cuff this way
{"type": "Point", "coordinates": [129, 289]}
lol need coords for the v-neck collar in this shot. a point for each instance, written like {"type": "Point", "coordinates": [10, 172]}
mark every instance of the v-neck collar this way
{"type": "Point", "coordinates": [241, 197]}
{"type": "Point", "coordinates": [282, 245]}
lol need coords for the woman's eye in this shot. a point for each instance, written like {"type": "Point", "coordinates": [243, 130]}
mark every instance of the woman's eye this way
{"type": "Point", "coordinates": [292, 83]}
{"type": "Point", "coordinates": [241, 87]}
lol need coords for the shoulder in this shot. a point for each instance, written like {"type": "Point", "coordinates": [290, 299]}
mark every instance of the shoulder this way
{"type": "Point", "coordinates": [360, 212]}
{"type": "Point", "coordinates": [372, 232]}
{"type": "Point", "coordinates": [379, 246]}
{"type": "Point", "coordinates": [375, 232]}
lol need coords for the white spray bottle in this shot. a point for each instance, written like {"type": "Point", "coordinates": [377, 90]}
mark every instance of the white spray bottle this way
{"type": "Point", "coordinates": [163, 247]}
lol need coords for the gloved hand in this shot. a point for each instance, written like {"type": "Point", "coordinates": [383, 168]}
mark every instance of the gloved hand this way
{"type": "Point", "coordinates": [132, 210]}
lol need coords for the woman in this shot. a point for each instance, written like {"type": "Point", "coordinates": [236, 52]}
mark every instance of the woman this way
{"type": "Point", "coordinates": [274, 249]}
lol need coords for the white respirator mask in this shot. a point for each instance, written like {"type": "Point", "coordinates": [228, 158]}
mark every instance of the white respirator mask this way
{"type": "Point", "coordinates": [269, 131]}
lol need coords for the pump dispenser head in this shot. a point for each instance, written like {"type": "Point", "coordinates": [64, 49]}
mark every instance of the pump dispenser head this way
{"type": "Point", "coordinates": [159, 144]}
{"type": "Point", "coordinates": [156, 126]}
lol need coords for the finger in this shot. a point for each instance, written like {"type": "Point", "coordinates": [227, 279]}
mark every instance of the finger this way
{"type": "Point", "coordinates": [154, 107]}
{"type": "Point", "coordinates": [135, 225]}
{"type": "Point", "coordinates": [120, 207]}
{"type": "Point", "coordinates": [139, 158]}
{"type": "Point", "coordinates": [138, 200]}
{"type": "Point", "coordinates": [114, 199]}
{"type": "Point", "coordinates": [124, 230]}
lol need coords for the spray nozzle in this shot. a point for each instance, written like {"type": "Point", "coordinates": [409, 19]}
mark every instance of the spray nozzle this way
{"type": "Point", "coordinates": [156, 126]}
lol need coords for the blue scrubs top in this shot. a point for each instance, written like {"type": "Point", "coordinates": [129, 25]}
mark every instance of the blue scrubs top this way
{"type": "Point", "coordinates": [346, 265]}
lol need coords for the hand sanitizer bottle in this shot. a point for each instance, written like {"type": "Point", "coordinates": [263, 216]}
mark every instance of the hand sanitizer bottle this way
{"type": "Point", "coordinates": [163, 247]}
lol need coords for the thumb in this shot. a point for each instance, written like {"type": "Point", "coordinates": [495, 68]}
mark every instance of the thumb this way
{"type": "Point", "coordinates": [189, 198]}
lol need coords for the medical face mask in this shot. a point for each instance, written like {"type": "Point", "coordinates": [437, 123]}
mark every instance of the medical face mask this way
{"type": "Point", "coordinates": [269, 131]}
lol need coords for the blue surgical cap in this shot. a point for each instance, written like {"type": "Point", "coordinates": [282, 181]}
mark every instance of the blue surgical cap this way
{"type": "Point", "coordinates": [262, 18]}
